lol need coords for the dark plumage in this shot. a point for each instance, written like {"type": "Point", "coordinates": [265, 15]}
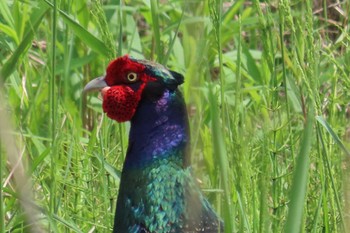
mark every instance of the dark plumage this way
{"type": "Point", "coordinates": [157, 190]}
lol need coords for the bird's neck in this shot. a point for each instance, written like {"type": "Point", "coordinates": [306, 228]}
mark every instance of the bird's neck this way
{"type": "Point", "coordinates": [159, 130]}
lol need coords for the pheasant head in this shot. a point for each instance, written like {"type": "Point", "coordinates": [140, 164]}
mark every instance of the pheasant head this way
{"type": "Point", "coordinates": [129, 80]}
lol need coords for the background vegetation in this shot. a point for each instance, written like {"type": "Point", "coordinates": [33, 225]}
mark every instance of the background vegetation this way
{"type": "Point", "coordinates": [267, 89]}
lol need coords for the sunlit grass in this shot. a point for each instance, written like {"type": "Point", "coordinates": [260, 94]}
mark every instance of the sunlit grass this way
{"type": "Point", "coordinates": [266, 86]}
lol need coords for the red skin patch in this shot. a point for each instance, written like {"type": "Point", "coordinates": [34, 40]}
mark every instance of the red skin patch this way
{"type": "Point", "coordinates": [118, 69]}
{"type": "Point", "coordinates": [120, 101]}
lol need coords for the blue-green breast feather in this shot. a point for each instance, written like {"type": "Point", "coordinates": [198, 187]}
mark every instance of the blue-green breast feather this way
{"type": "Point", "coordinates": [163, 197]}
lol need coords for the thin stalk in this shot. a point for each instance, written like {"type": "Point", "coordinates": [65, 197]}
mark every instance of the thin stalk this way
{"type": "Point", "coordinates": [121, 128]}
{"type": "Point", "coordinates": [172, 42]}
{"type": "Point", "coordinates": [275, 171]}
{"type": "Point", "coordinates": [238, 78]}
{"type": "Point", "coordinates": [155, 26]}
{"type": "Point", "coordinates": [330, 175]}
{"type": "Point", "coordinates": [120, 38]}
{"type": "Point", "coordinates": [284, 76]}
{"type": "Point", "coordinates": [236, 120]}
{"type": "Point", "coordinates": [2, 207]}
{"type": "Point", "coordinates": [221, 70]}
{"type": "Point", "coordinates": [220, 150]}
{"type": "Point", "coordinates": [218, 133]}
{"type": "Point", "coordinates": [52, 98]}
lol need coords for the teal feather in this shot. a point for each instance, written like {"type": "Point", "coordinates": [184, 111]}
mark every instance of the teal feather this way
{"type": "Point", "coordinates": [163, 197]}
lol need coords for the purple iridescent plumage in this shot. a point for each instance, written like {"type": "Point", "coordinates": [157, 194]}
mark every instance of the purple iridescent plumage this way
{"type": "Point", "coordinates": [157, 130]}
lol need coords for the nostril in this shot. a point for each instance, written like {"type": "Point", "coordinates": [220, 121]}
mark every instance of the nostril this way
{"type": "Point", "coordinates": [104, 90]}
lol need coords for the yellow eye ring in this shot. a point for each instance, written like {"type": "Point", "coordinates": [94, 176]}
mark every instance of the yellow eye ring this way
{"type": "Point", "coordinates": [132, 77]}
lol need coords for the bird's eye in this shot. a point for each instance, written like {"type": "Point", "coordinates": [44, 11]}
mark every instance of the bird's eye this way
{"type": "Point", "coordinates": [132, 77]}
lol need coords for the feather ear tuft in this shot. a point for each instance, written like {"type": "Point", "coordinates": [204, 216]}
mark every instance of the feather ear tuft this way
{"type": "Point", "coordinates": [179, 77]}
{"type": "Point", "coordinates": [175, 80]}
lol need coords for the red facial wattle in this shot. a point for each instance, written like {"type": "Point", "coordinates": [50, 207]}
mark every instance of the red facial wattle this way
{"type": "Point", "coordinates": [121, 88]}
{"type": "Point", "coordinates": [120, 102]}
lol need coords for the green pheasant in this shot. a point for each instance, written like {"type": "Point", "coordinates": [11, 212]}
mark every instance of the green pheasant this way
{"type": "Point", "coordinates": [157, 190]}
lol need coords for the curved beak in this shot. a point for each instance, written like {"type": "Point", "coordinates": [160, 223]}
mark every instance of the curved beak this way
{"type": "Point", "coordinates": [95, 85]}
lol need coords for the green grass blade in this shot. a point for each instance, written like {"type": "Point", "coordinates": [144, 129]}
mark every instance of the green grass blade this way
{"type": "Point", "coordinates": [300, 179]}
{"type": "Point", "coordinates": [76, 63]}
{"type": "Point", "coordinates": [172, 42]}
{"type": "Point", "coordinates": [6, 13]}
{"type": "Point", "coordinates": [71, 225]}
{"type": "Point", "coordinates": [89, 39]}
{"type": "Point", "coordinates": [115, 173]}
{"type": "Point", "coordinates": [155, 25]}
{"type": "Point", "coordinates": [328, 162]}
{"type": "Point", "coordinates": [335, 137]}
{"type": "Point", "coordinates": [9, 31]}
{"type": "Point", "coordinates": [221, 154]}
{"type": "Point", "coordinates": [53, 101]}
{"type": "Point", "coordinates": [35, 19]}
